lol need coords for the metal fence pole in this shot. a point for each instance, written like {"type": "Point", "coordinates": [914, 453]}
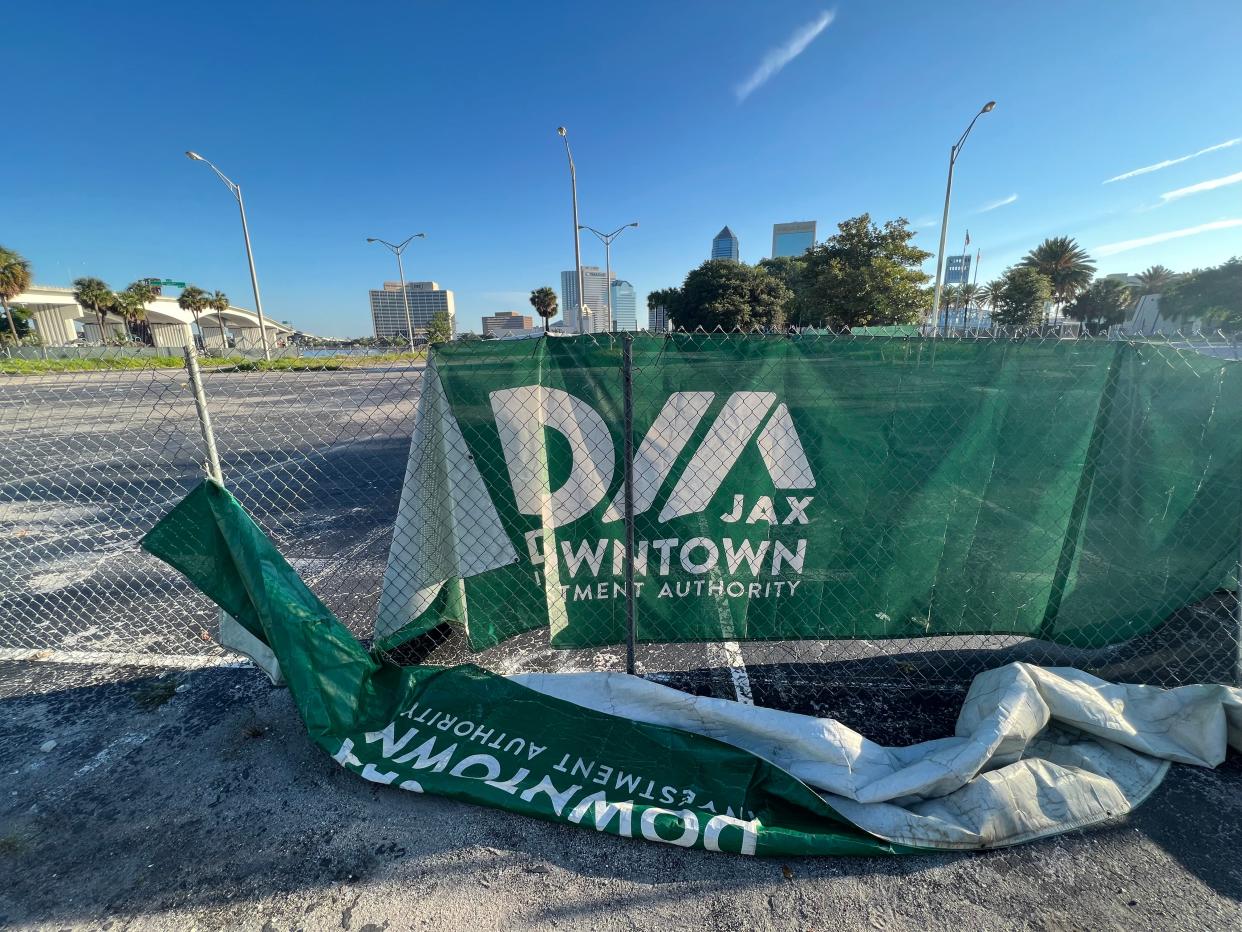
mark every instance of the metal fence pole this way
{"type": "Point", "coordinates": [204, 416]}
{"type": "Point", "coordinates": [627, 394]}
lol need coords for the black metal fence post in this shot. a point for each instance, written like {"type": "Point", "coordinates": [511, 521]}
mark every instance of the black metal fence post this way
{"type": "Point", "coordinates": [627, 394]}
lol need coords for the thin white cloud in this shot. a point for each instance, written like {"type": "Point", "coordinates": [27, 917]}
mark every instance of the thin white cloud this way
{"type": "Point", "coordinates": [992, 205]}
{"type": "Point", "coordinates": [783, 54]}
{"type": "Point", "coordinates": [1202, 186]}
{"type": "Point", "coordinates": [1147, 169]}
{"type": "Point", "coordinates": [1111, 249]}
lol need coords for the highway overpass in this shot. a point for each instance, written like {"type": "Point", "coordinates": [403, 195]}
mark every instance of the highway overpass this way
{"type": "Point", "coordinates": [60, 321]}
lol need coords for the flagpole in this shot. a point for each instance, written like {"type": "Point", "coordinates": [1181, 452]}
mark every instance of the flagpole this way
{"type": "Point", "coordinates": [965, 246]}
{"type": "Point", "coordinates": [978, 256]}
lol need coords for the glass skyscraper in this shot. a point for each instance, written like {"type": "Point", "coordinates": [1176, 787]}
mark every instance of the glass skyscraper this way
{"type": "Point", "coordinates": [792, 239]}
{"type": "Point", "coordinates": [624, 306]}
{"type": "Point", "coordinates": [596, 287]}
{"type": "Point", "coordinates": [725, 246]}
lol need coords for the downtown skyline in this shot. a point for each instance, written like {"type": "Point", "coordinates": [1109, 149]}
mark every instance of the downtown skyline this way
{"type": "Point", "coordinates": [1148, 176]}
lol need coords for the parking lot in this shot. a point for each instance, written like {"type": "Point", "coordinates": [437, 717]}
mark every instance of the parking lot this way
{"type": "Point", "coordinates": [93, 460]}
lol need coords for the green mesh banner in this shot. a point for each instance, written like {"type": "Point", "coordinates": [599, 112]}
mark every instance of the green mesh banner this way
{"type": "Point", "coordinates": [792, 488]}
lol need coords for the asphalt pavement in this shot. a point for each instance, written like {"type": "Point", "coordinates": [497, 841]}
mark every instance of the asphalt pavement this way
{"type": "Point", "coordinates": [194, 800]}
{"type": "Point", "coordinates": [90, 461]}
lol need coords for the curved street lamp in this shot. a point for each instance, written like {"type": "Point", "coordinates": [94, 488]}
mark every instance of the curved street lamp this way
{"type": "Point", "coordinates": [573, 185]}
{"type": "Point", "coordinates": [944, 222]}
{"type": "Point", "coordinates": [254, 278]}
{"type": "Point", "coordinates": [396, 250]}
{"type": "Point", "coordinates": [606, 239]}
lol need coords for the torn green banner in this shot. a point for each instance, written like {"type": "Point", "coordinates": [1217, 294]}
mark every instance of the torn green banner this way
{"type": "Point", "coordinates": [471, 735]}
{"type": "Point", "coordinates": [1035, 751]}
{"type": "Point", "coordinates": [817, 487]}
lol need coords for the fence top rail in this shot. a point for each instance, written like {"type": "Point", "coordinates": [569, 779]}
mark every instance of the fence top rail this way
{"type": "Point", "coordinates": [1194, 341]}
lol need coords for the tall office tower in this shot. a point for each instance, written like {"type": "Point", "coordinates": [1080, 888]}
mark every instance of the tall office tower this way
{"type": "Point", "coordinates": [725, 245]}
{"type": "Point", "coordinates": [792, 239]}
{"type": "Point", "coordinates": [426, 300]}
{"type": "Point", "coordinates": [595, 284]}
{"type": "Point", "coordinates": [657, 319]}
{"type": "Point", "coordinates": [624, 306]}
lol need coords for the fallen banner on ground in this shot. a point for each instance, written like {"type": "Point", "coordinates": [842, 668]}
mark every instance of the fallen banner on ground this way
{"type": "Point", "coordinates": [1036, 751]}
{"type": "Point", "coordinates": [788, 488]}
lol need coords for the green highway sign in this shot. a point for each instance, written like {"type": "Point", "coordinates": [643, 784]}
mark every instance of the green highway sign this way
{"type": "Point", "coordinates": [164, 281]}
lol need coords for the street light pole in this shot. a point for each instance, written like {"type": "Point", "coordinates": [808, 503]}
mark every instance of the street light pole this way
{"type": "Point", "coordinates": [606, 239]}
{"type": "Point", "coordinates": [397, 250]}
{"type": "Point", "coordinates": [954, 152]}
{"type": "Point", "coordinates": [254, 278]}
{"type": "Point", "coordinates": [573, 185]}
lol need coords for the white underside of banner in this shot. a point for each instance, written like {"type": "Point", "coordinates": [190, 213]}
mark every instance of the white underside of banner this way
{"type": "Point", "coordinates": [1037, 751]}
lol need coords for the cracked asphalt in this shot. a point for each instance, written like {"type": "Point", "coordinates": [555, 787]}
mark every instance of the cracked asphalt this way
{"type": "Point", "coordinates": [175, 799]}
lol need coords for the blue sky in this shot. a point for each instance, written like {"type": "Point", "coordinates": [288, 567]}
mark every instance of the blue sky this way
{"type": "Point", "coordinates": [343, 121]}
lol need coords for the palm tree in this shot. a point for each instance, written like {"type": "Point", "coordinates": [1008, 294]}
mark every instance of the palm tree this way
{"type": "Point", "coordinates": [14, 279]}
{"type": "Point", "coordinates": [1154, 279]}
{"type": "Point", "coordinates": [218, 301]}
{"type": "Point", "coordinates": [126, 306]}
{"type": "Point", "coordinates": [543, 300]}
{"type": "Point", "coordinates": [991, 293]}
{"type": "Point", "coordinates": [194, 300]}
{"type": "Point", "coordinates": [132, 303]}
{"type": "Point", "coordinates": [1100, 306]}
{"type": "Point", "coordinates": [1065, 264]}
{"type": "Point", "coordinates": [94, 294]}
{"type": "Point", "coordinates": [968, 294]}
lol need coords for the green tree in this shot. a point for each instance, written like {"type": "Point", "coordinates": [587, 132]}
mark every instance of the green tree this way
{"type": "Point", "coordinates": [131, 305]}
{"type": "Point", "coordinates": [791, 270]}
{"type": "Point", "coordinates": [14, 279]}
{"type": "Point", "coordinates": [1212, 297]}
{"type": "Point", "coordinates": [990, 294]}
{"type": "Point", "coordinates": [126, 306]}
{"type": "Point", "coordinates": [967, 297]}
{"type": "Point", "coordinates": [1024, 293]}
{"type": "Point", "coordinates": [731, 295]}
{"type": "Point", "coordinates": [218, 301]}
{"type": "Point", "coordinates": [665, 298]}
{"type": "Point", "coordinates": [1065, 264]}
{"type": "Point", "coordinates": [865, 275]}
{"type": "Point", "coordinates": [19, 321]}
{"type": "Point", "coordinates": [95, 295]}
{"type": "Point", "coordinates": [543, 300]}
{"type": "Point", "coordinates": [440, 328]}
{"type": "Point", "coordinates": [1102, 305]}
{"type": "Point", "coordinates": [194, 300]}
{"type": "Point", "coordinates": [1154, 279]}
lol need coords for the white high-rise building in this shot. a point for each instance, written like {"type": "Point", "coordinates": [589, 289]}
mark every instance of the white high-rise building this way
{"type": "Point", "coordinates": [595, 283]}
{"type": "Point", "coordinates": [426, 300]}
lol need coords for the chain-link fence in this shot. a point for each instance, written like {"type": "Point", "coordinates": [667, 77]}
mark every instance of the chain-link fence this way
{"type": "Point", "coordinates": [89, 461]}
{"type": "Point", "coordinates": [803, 510]}
{"type": "Point", "coordinates": [91, 458]}
{"type": "Point", "coordinates": [792, 511]}
{"type": "Point", "coordinates": [979, 500]}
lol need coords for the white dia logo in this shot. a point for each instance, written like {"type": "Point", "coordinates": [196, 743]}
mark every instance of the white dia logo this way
{"type": "Point", "coordinates": [523, 413]}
